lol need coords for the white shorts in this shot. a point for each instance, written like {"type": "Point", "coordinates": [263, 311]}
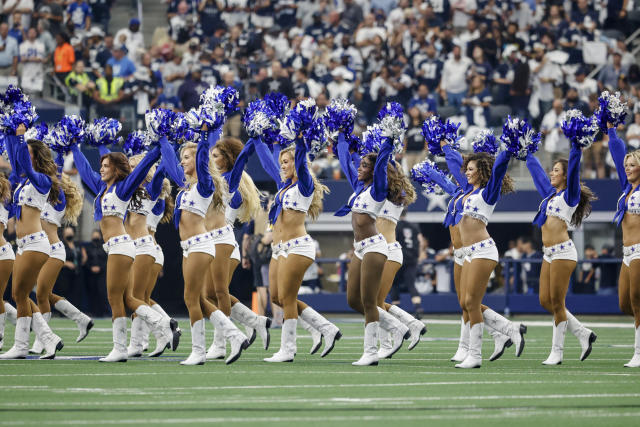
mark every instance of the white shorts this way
{"type": "Point", "coordinates": [6, 253]}
{"type": "Point", "coordinates": [276, 251]}
{"type": "Point", "coordinates": [120, 245]}
{"type": "Point", "coordinates": [224, 236]}
{"type": "Point", "coordinates": [303, 246]}
{"type": "Point", "coordinates": [395, 252]}
{"type": "Point", "coordinates": [236, 252]}
{"type": "Point", "coordinates": [629, 253]}
{"type": "Point", "coordinates": [375, 243]}
{"type": "Point", "coordinates": [565, 250]}
{"type": "Point", "coordinates": [199, 243]}
{"type": "Point", "coordinates": [159, 256]}
{"type": "Point", "coordinates": [145, 246]}
{"type": "Point", "coordinates": [58, 252]}
{"type": "Point", "coordinates": [485, 249]}
{"type": "Point", "coordinates": [36, 242]}
{"type": "Point", "coordinates": [459, 256]}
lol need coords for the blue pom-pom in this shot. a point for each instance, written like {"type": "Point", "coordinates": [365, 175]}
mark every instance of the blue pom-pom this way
{"type": "Point", "coordinates": [422, 173]}
{"type": "Point", "coordinates": [181, 129]}
{"type": "Point", "coordinates": [372, 140]}
{"type": "Point", "coordinates": [135, 143]}
{"type": "Point", "coordinates": [316, 138]}
{"type": "Point", "coordinates": [259, 120]}
{"type": "Point", "coordinates": [485, 142]}
{"type": "Point", "coordinates": [578, 129]}
{"type": "Point", "coordinates": [278, 104]}
{"type": "Point", "coordinates": [103, 131]}
{"type": "Point", "coordinates": [159, 122]}
{"type": "Point", "coordinates": [38, 132]}
{"type": "Point", "coordinates": [435, 131]}
{"type": "Point", "coordinates": [217, 103]}
{"type": "Point", "coordinates": [340, 117]}
{"type": "Point", "coordinates": [611, 110]}
{"type": "Point", "coordinates": [67, 132]}
{"type": "Point", "coordinates": [519, 138]}
{"type": "Point", "coordinates": [391, 118]}
{"type": "Point", "coordinates": [299, 119]}
{"type": "Point", "coordinates": [16, 110]}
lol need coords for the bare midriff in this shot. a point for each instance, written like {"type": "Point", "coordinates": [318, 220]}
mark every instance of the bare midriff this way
{"type": "Point", "coordinates": [387, 228]}
{"type": "Point", "coordinates": [191, 224]}
{"type": "Point", "coordinates": [630, 227]}
{"type": "Point", "coordinates": [554, 231]}
{"type": "Point", "coordinates": [29, 222]}
{"type": "Point", "coordinates": [51, 230]}
{"type": "Point", "coordinates": [364, 226]}
{"type": "Point", "coordinates": [111, 226]}
{"type": "Point", "coordinates": [136, 225]}
{"type": "Point", "coordinates": [289, 225]}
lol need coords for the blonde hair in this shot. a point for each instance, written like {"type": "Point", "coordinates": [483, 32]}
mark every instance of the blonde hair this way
{"type": "Point", "coordinates": [319, 189]}
{"type": "Point", "coordinates": [221, 188]}
{"type": "Point", "coordinates": [5, 188]}
{"type": "Point", "coordinates": [635, 154]}
{"type": "Point", "coordinates": [74, 198]}
{"type": "Point", "coordinates": [169, 203]}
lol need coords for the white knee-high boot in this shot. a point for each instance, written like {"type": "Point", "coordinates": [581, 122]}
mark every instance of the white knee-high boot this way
{"type": "Point", "coordinates": [386, 344]}
{"type": "Point", "coordinates": [474, 356]}
{"type": "Point", "coordinates": [330, 332]}
{"type": "Point", "coordinates": [288, 347]}
{"type": "Point", "coordinates": [463, 343]}
{"type": "Point", "coordinates": [50, 341]}
{"type": "Point", "coordinates": [197, 356]}
{"type": "Point", "coordinates": [38, 347]}
{"type": "Point", "coordinates": [83, 321]}
{"type": "Point", "coordinates": [635, 360]}
{"type": "Point", "coordinates": [20, 348]}
{"type": "Point", "coordinates": [173, 323]}
{"type": "Point", "coordinates": [585, 336]}
{"type": "Point", "coordinates": [232, 334]}
{"type": "Point", "coordinates": [398, 330]}
{"type": "Point", "coordinates": [416, 327]}
{"type": "Point", "coordinates": [11, 312]}
{"type": "Point", "coordinates": [500, 342]}
{"type": "Point", "coordinates": [218, 349]}
{"type": "Point", "coordinates": [316, 336]}
{"type": "Point", "coordinates": [513, 330]}
{"type": "Point", "coordinates": [370, 354]}
{"type": "Point", "coordinates": [557, 344]}
{"type": "Point", "coordinates": [161, 327]}
{"type": "Point", "coordinates": [259, 324]}
{"type": "Point", "coordinates": [3, 318]}
{"type": "Point", "coordinates": [135, 342]}
{"type": "Point", "coordinates": [119, 351]}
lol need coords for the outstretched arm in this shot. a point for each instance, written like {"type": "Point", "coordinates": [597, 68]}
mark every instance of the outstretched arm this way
{"type": "Point", "coordinates": [90, 177]}
{"type": "Point", "coordinates": [380, 187]}
{"type": "Point", "coordinates": [103, 150]}
{"type": "Point", "coordinates": [572, 195]}
{"type": "Point", "coordinates": [540, 179]}
{"type": "Point", "coordinates": [205, 182]}
{"type": "Point", "coordinates": [129, 185]}
{"type": "Point", "coordinates": [491, 193]}
{"type": "Point", "coordinates": [344, 157]}
{"type": "Point", "coordinates": [618, 152]}
{"type": "Point", "coordinates": [170, 163]}
{"type": "Point", "coordinates": [41, 181]}
{"type": "Point", "coordinates": [454, 163]}
{"type": "Point", "coordinates": [268, 162]}
{"type": "Point", "coordinates": [238, 167]}
{"type": "Point", "coordinates": [305, 182]}
{"type": "Point", "coordinates": [154, 188]}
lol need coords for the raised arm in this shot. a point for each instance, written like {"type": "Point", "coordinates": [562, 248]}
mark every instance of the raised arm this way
{"type": "Point", "coordinates": [59, 163]}
{"type": "Point", "coordinates": [170, 163]}
{"type": "Point", "coordinates": [103, 150]}
{"type": "Point", "coordinates": [128, 186]}
{"type": "Point", "coordinates": [269, 164]}
{"type": "Point", "coordinates": [344, 156]}
{"type": "Point", "coordinates": [491, 193]}
{"type": "Point", "coordinates": [154, 188]}
{"type": "Point", "coordinates": [90, 177]}
{"type": "Point", "coordinates": [41, 181]}
{"type": "Point", "coordinates": [454, 163]}
{"type": "Point", "coordinates": [235, 174]}
{"type": "Point", "coordinates": [540, 178]}
{"type": "Point", "coordinates": [205, 182]}
{"type": "Point", "coordinates": [380, 187]}
{"type": "Point", "coordinates": [572, 195]}
{"type": "Point", "coordinates": [445, 183]}
{"type": "Point", "coordinates": [305, 182]}
{"type": "Point", "coordinates": [618, 151]}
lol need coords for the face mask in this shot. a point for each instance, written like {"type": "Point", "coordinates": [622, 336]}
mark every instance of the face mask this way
{"type": "Point", "coordinates": [68, 238]}
{"type": "Point", "coordinates": [96, 241]}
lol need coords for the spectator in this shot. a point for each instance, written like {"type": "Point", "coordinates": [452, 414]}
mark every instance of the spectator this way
{"type": "Point", "coordinates": [573, 102]}
{"type": "Point", "coordinates": [609, 75]}
{"type": "Point", "coordinates": [584, 85]}
{"type": "Point", "coordinates": [79, 14]}
{"type": "Point", "coordinates": [63, 56]}
{"type": "Point", "coordinates": [132, 39]}
{"type": "Point", "coordinates": [19, 12]}
{"type": "Point", "coordinates": [8, 52]}
{"type": "Point", "coordinates": [554, 139]}
{"type": "Point", "coordinates": [191, 57]}
{"type": "Point", "coordinates": [277, 82]}
{"type": "Point", "coordinates": [96, 266]}
{"type": "Point", "coordinates": [109, 93]}
{"type": "Point", "coordinates": [190, 91]}
{"type": "Point", "coordinates": [426, 270]}
{"type": "Point", "coordinates": [32, 57]}
{"type": "Point", "coordinates": [587, 272]}
{"type": "Point", "coordinates": [210, 16]}
{"type": "Point", "coordinates": [311, 278]}
{"type": "Point", "coordinates": [480, 66]}
{"type": "Point", "coordinates": [424, 101]}
{"type": "Point", "coordinates": [476, 106]}
{"type": "Point", "coordinates": [407, 235]}
{"type": "Point", "coordinates": [69, 279]}
{"type": "Point", "coordinates": [16, 30]}
{"type": "Point", "coordinates": [101, 13]}
{"type": "Point", "coordinates": [415, 145]}
{"type": "Point", "coordinates": [608, 272]}
{"type": "Point", "coordinates": [51, 11]}
{"type": "Point", "coordinates": [453, 86]}
{"type": "Point", "coordinates": [340, 87]}
{"type": "Point", "coordinates": [444, 269]}
{"type": "Point", "coordinates": [429, 70]}
{"type": "Point", "coordinates": [104, 53]}
{"type": "Point", "coordinates": [351, 15]}
{"type": "Point", "coordinates": [530, 270]}
{"type": "Point", "coordinates": [520, 91]}
{"type": "Point", "coordinates": [46, 38]}
{"type": "Point", "coordinates": [122, 66]}
{"type": "Point", "coordinates": [79, 83]}
{"type": "Point", "coordinates": [545, 75]}
{"type": "Point", "coordinates": [633, 131]}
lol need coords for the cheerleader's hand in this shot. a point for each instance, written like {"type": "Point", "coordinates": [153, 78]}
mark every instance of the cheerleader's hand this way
{"type": "Point", "coordinates": [21, 130]}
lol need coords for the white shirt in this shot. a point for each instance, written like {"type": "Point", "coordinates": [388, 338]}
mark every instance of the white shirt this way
{"type": "Point", "coordinates": [586, 88]}
{"type": "Point", "coordinates": [339, 90]}
{"type": "Point", "coordinates": [549, 70]}
{"type": "Point", "coordinates": [554, 141]}
{"type": "Point", "coordinates": [134, 42]}
{"type": "Point", "coordinates": [454, 74]}
{"type": "Point", "coordinates": [32, 73]}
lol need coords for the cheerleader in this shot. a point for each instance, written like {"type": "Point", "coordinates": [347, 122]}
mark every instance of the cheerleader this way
{"type": "Point", "coordinates": [116, 186]}
{"type": "Point", "coordinates": [66, 210]}
{"type": "Point", "coordinates": [202, 186]}
{"type": "Point", "coordinates": [565, 203]}
{"type": "Point", "coordinates": [230, 156]}
{"type": "Point", "coordinates": [627, 216]}
{"type": "Point", "coordinates": [33, 163]}
{"type": "Point", "coordinates": [7, 257]}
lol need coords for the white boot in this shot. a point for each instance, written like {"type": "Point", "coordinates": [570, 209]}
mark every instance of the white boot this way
{"type": "Point", "coordinates": [172, 323]}
{"type": "Point", "coordinates": [416, 327]}
{"type": "Point", "coordinates": [585, 336]}
{"type": "Point", "coordinates": [83, 321]}
{"type": "Point", "coordinates": [11, 312]}
{"type": "Point", "coordinates": [288, 347]}
{"type": "Point", "coordinates": [50, 341]}
{"type": "Point", "coordinates": [463, 343]}
{"type": "Point", "coordinates": [557, 344]}
{"type": "Point", "coordinates": [197, 356]}
{"type": "Point", "coordinates": [260, 324]}
{"type": "Point", "coordinates": [3, 318]}
{"type": "Point", "coordinates": [330, 332]}
{"type": "Point", "coordinates": [474, 356]}
{"type": "Point", "coordinates": [500, 342]}
{"type": "Point", "coordinates": [218, 349]}
{"type": "Point", "coordinates": [119, 351]}
{"type": "Point", "coordinates": [20, 348]}
{"type": "Point", "coordinates": [316, 336]}
{"type": "Point", "coordinates": [161, 327]}
{"type": "Point", "coordinates": [135, 342]}
{"type": "Point", "coordinates": [386, 344]}
{"type": "Point", "coordinates": [38, 347]}
{"type": "Point", "coordinates": [635, 360]}
{"type": "Point", "coordinates": [513, 330]}
{"type": "Point", "coordinates": [236, 339]}
{"type": "Point", "coordinates": [370, 355]}
{"type": "Point", "coordinates": [144, 340]}
{"type": "Point", "coordinates": [399, 332]}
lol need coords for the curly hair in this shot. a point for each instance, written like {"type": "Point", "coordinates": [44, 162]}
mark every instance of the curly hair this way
{"type": "Point", "coordinates": [43, 162]}
{"type": "Point", "coordinates": [169, 203]}
{"type": "Point", "coordinates": [229, 148]}
{"type": "Point", "coordinates": [74, 198]}
{"type": "Point", "coordinates": [586, 196]}
{"type": "Point", "coordinates": [319, 189]}
{"type": "Point", "coordinates": [5, 188]}
{"type": "Point", "coordinates": [401, 191]}
{"type": "Point", "coordinates": [122, 168]}
{"type": "Point", "coordinates": [221, 188]}
{"type": "Point", "coordinates": [484, 164]}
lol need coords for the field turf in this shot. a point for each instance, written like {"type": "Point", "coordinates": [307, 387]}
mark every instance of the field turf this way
{"type": "Point", "coordinates": [420, 387]}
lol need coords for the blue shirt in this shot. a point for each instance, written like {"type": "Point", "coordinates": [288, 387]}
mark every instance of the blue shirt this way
{"type": "Point", "coordinates": [78, 13]}
{"type": "Point", "coordinates": [10, 50]}
{"type": "Point", "coordinates": [122, 68]}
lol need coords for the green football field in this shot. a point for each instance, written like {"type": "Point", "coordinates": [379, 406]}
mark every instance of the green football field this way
{"type": "Point", "coordinates": [420, 387]}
